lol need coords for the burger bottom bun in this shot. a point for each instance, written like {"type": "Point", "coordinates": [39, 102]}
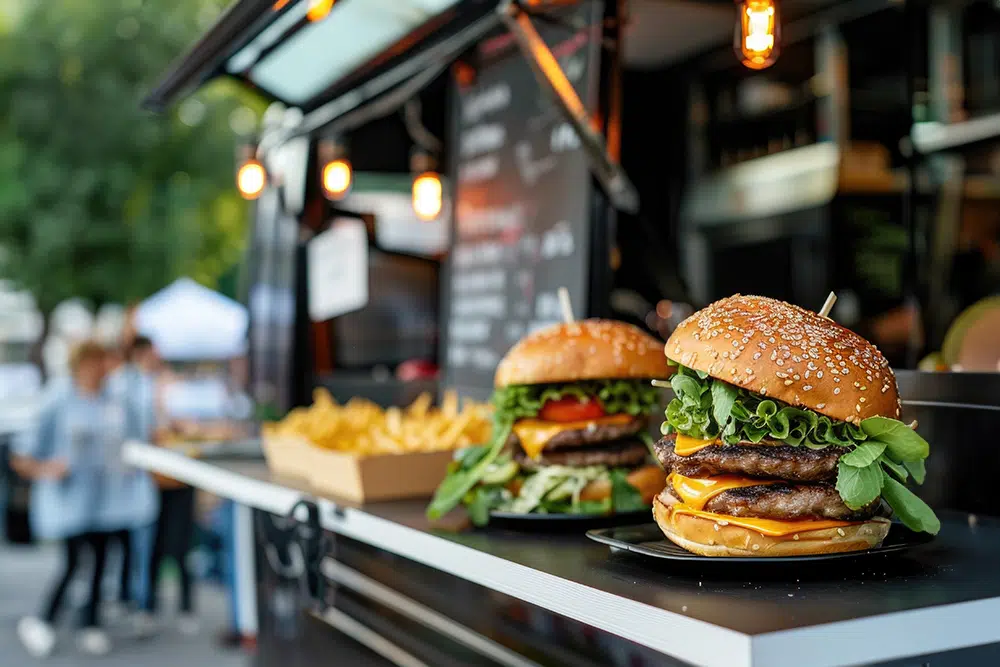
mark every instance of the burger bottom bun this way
{"type": "Point", "coordinates": [707, 538]}
{"type": "Point", "coordinates": [648, 479]}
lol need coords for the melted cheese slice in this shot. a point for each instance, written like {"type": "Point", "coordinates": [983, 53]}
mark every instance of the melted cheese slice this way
{"type": "Point", "coordinates": [686, 446]}
{"type": "Point", "coordinates": [772, 527]}
{"type": "Point", "coordinates": [534, 434]}
{"type": "Point", "coordinates": [695, 493]}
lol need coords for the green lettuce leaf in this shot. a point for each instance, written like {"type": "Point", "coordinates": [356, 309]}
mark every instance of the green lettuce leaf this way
{"type": "Point", "coordinates": [859, 487]}
{"type": "Point", "coordinates": [624, 496]}
{"type": "Point", "coordinates": [633, 397]}
{"type": "Point", "coordinates": [462, 478]}
{"type": "Point", "coordinates": [911, 510]}
{"type": "Point", "coordinates": [743, 416]}
{"type": "Point", "coordinates": [901, 440]}
{"type": "Point", "coordinates": [864, 454]}
{"type": "Point", "coordinates": [917, 469]}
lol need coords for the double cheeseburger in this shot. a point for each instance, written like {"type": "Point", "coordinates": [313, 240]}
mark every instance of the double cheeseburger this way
{"type": "Point", "coordinates": [783, 438]}
{"type": "Point", "coordinates": [572, 405]}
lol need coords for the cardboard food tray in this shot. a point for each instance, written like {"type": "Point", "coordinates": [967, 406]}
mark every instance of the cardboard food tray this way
{"type": "Point", "coordinates": [289, 457]}
{"type": "Point", "coordinates": [358, 478]}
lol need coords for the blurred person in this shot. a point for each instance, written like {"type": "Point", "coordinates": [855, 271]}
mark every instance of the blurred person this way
{"type": "Point", "coordinates": [135, 382]}
{"type": "Point", "coordinates": [82, 491]}
{"type": "Point", "coordinates": [181, 404]}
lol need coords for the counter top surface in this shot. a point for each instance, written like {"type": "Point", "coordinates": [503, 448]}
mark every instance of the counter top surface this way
{"type": "Point", "coordinates": [935, 597]}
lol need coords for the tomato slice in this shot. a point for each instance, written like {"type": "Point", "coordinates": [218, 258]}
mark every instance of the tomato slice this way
{"type": "Point", "coordinates": [571, 409]}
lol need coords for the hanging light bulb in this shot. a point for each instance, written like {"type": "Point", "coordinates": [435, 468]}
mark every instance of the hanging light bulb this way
{"type": "Point", "coordinates": [428, 191]}
{"type": "Point", "coordinates": [758, 32]}
{"type": "Point", "coordinates": [251, 178]}
{"type": "Point", "coordinates": [319, 9]}
{"type": "Point", "coordinates": [428, 195]}
{"type": "Point", "coordinates": [337, 178]}
{"type": "Point", "coordinates": [337, 175]}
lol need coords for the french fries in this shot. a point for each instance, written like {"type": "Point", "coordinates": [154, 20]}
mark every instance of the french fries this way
{"type": "Point", "coordinates": [360, 427]}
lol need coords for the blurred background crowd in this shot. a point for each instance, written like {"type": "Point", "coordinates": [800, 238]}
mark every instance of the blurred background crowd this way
{"type": "Point", "coordinates": [103, 208]}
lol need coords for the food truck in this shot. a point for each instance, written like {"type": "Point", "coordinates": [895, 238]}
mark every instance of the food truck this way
{"type": "Point", "coordinates": [627, 156]}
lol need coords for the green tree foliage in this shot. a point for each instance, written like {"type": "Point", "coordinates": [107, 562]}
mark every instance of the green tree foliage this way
{"type": "Point", "coordinates": [98, 198]}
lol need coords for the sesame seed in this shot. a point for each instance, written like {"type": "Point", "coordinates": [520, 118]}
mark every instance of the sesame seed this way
{"type": "Point", "coordinates": [723, 523]}
{"type": "Point", "coordinates": [885, 389]}
{"type": "Point", "coordinates": [864, 388]}
{"type": "Point", "coordinates": [796, 377]}
{"type": "Point", "coordinates": [780, 362]}
{"type": "Point", "coordinates": [821, 406]}
{"type": "Point", "coordinates": [836, 390]}
{"type": "Point", "coordinates": [819, 374]}
{"type": "Point", "coordinates": [807, 387]}
{"type": "Point", "coordinates": [756, 547]}
{"type": "Point", "coordinates": [857, 408]}
{"type": "Point", "coordinates": [788, 382]}
{"type": "Point", "coordinates": [716, 526]}
{"type": "Point", "coordinates": [862, 399]}
{"type": "Point", "coordinates": [840, 531]}
{"type": "Point", "coordinates": [795, 536]}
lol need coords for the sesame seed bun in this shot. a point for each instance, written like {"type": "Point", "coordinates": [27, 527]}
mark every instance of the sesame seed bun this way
{"type": "Point", "coordinates": [790, 354]}
{"type": "Point", "coordinates": [708, 537]}
{"type": "Point", "coordinates": [585, 350]}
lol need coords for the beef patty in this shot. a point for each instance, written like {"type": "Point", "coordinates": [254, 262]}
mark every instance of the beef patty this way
{"type": "Point", "coordinates": [782, 501]}
{"type": "Point", "coordinates": [788, 462]}
{"type": "Point", "coordinates": [589, 436]}
{"type": "Point", "coordinates": [625, 454]}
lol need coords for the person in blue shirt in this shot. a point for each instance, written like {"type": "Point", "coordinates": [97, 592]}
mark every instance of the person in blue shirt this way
{"type": "Point", "coordinates": [82, 491]}
{"type": "Point", "coordinates": [135, 383]}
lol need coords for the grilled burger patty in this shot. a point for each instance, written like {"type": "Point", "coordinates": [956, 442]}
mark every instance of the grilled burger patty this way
{"type": "Point", "coordinates": [788, 462]}
{"type": "Point", "coordinates": [782, 501]}
{"type": "Point", "coordinates": [625, 454]}
{"type": "Point", "coordinates": [600, 433]}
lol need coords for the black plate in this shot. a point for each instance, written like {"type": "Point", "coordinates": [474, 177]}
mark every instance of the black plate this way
{"type": "Point", "coordinates": [647, 540]}
{"type": "Point", "coordinates": [567, 521]}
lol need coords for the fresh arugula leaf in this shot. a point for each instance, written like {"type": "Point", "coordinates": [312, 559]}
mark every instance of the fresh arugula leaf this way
{"type": "Point", "coordinates": [864, 454]}
{"type": "Point", "coordinates": [902, 441]}
{"type": "Point", "coordinates": [484, 500]}
{"type": "Point", "coordinates": [592, 507]}
{"type": "Point", "coordinates": [859, 487]}
{"type": "Point", "coordinates": [911, 510]}
{"type": "Point", "coordinates": [723, 399]}
{"type": "Point", "coordinates": [916, 469]}
{"type": "Point", "coordinates": [895, 468]}
{"type": "Point", "coordinates": [456, 484]}
{"type": "Point", "coordinates": [624, 496]}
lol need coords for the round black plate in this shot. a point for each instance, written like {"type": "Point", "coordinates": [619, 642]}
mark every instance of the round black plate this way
{"type": "Point", "coordinates": [568, 521]}
{"type": "Point", "coordinates": [647, 540]}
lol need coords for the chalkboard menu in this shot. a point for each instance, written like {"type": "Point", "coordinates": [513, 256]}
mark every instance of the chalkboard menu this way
{"type": "Point", "coordinates": [522, 201]}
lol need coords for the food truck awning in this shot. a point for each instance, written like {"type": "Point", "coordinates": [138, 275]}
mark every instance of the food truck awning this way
{"type": "Point", "coordinates": [283, 49]}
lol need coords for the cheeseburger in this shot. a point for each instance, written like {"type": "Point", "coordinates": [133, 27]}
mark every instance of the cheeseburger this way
{"type": "Point", "coordinates": [783, 438]}
{"type": "Point", "coordinates": [572, 404]}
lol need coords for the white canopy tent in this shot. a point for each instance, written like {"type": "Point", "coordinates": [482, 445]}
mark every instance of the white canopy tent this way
{"type": "Point", "coordinates": [189, 322]}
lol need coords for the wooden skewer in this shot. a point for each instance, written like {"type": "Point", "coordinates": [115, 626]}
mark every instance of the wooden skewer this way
{"type": "Point", "coordinates": [566, 305]}
{"type": "Point", "coordinates": [828, 305]}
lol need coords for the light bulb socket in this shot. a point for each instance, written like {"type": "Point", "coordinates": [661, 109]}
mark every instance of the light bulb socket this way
{"type": "Point", "coordinates": [421, 161]}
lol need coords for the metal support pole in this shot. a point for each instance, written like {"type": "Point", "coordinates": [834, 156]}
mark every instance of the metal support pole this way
{"type": "Point", "coordinates": [551, 77]}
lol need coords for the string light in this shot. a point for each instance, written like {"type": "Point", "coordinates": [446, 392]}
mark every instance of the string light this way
{"type": "Point", "coordinates": [757, 34]}
{"type": "Point", "coordinates": [251, 179]}
{"type": "Point", "coordinates": [428, 195]}
{"type": "Point", "coordinates": [337, 178]}
{"type": "Point", "coordinates": [319, 9]}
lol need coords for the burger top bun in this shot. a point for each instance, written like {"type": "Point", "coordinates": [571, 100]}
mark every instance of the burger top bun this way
{"type": "Point", "coordinates": [585, 350]}
{"type": "Point", "coordinates": [788, 353]}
